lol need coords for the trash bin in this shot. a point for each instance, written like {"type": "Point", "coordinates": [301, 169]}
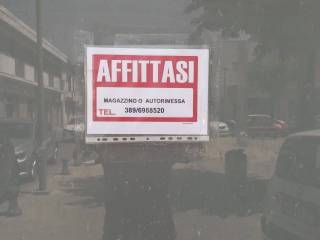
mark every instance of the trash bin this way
{"type": "Point", "coordinates": [236, 166]}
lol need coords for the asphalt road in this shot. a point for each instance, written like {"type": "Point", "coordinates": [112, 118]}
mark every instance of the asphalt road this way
{"type": "Point", "coordinates": [204, 206]}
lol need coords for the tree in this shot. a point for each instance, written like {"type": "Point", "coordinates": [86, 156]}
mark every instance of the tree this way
{"type": "Point", "coordinates": [272, 76]}
{"type": "Point", "coordinates": [289, 28]}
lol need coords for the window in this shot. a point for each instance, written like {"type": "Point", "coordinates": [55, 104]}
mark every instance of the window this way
{"type": "Point", "coordinates": [9, 110]}
{"type": "Point", "coordinates": [19, 68]}
{"type": "Point", "coordinates": [51, 81]}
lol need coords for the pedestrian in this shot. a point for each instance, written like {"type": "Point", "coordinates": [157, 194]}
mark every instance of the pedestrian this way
{"type": "Point", "coordinates": [9, 177]}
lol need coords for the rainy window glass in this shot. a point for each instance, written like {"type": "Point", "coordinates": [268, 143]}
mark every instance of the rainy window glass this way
{"type": "Point", "coordinates": [159, 119]}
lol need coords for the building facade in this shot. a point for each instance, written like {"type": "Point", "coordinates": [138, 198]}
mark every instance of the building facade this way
{"type": "Point", "coordinates": [18, 74]}
{"type": "Point", "coordinates": [230, 60]}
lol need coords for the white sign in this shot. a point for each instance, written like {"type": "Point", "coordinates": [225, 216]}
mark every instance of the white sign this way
{"type": "Point", "coordinates": [144, 91]}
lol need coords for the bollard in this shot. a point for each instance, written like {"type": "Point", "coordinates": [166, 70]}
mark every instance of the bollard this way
{"type": "Point", "coordinates": [65, 167]}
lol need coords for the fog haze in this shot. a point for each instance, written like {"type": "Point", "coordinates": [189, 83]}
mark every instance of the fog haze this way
{"type": "Point", "coordinates": [62, 17]}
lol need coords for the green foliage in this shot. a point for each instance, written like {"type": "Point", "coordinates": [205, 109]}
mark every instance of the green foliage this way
{"type": "Point", "coordinates": [287, 34]}
{"type": "Point", "coordinates": [288, 26]}
{"type": "Point", "coordinates": [272, 74]}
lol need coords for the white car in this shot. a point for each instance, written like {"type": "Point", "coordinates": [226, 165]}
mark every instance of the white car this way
{"type": "Point", "coordinates": [219, 129]}
{"type": "Point", "coordinates": [75, 126]}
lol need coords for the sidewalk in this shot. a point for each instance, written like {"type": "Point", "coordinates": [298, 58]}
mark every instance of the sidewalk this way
{"type": "Point", "coordinates": [73, 210]}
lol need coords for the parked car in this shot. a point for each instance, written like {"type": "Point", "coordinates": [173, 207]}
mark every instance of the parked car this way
{"type": "Point", "coordinates": [23, 136]}
{"type": "Point", "coordinates": [293, 200]}
{"type": "Point", "coordinates": [219, 129]}
{"type": "Point", "coordinates": [75, 126]}
{"type": "Point", "coordinates": [232, 125]}
{"type": "Point", "coordinates": [265, 125]}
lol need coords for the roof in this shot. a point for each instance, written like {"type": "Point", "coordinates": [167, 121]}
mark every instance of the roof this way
{"type": "Point", "coordinates": [9, 18]}
{"type": "Point", "coordinates": [312, 133]}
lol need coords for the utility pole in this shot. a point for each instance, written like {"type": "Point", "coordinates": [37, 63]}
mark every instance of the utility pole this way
{"type": "Point", "coordinates": [41, 103]}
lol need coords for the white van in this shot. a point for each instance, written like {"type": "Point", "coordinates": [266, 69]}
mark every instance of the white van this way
{"type": "Point", "coordinates": [293, 199]}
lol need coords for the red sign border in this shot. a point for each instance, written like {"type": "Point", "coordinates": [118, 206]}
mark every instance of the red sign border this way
{"type": "Point", "coordinates": [194, 118]}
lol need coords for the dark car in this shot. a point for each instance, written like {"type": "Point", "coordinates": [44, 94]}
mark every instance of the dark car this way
{"type": "Point", "coordinates": [23, 136]}
{"type": "Point", "coordinates": [292, 203]}
{"type": "Point", "coordinates": [264, 125]}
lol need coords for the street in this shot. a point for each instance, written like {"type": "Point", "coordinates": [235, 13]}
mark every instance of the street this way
{"type": "Point", "coordinates": [202, 204]}
{"type": "Point", "coordinates": [159, 120]}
